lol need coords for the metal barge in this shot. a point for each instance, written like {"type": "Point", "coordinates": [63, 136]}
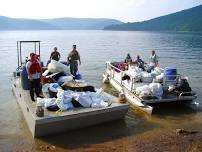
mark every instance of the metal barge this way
{"type": "Point", "coordinates": [52, 122]}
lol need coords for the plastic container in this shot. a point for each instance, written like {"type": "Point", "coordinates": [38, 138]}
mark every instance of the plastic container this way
{"type": "Point", "coordinates": [170, 73]}
{"type": "Point", "coordinates": [24, 79]}
{"type": "Point", "coordinates": [122, 66]}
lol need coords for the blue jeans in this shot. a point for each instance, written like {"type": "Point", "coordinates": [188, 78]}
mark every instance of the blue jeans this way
{"type": "Point", "coordinates": [73, 68]}
{"type": "Point", "coordinates": [35, 87]}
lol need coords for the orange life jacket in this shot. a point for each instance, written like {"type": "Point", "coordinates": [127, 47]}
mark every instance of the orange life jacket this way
{"type": "Point", "coordinates": [35, 66]}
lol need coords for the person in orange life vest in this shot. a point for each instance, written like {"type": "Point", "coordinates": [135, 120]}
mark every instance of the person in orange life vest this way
{"type": "Point", "coordinates": [34, 70]}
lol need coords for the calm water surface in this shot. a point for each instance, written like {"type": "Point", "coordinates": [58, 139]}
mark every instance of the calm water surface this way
{"type": "Point", "coordinates": [180, 50]}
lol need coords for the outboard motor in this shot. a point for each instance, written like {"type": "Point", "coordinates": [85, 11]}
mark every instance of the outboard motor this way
{"type": "Point", "coordinates": [183, 86]}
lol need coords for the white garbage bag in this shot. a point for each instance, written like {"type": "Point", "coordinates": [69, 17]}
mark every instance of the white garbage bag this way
{"type": "Point", "coordinates": [40, 102]}
{"type": "Point", "coordinates": [63, 79]}
{"type": "Point", "coordinates": [98, 101]}
{"type": "Point", "coordinates": [55, 67]}
{"type": "Point", "coordinates": [145, 92]}
{"type": "Point", "coordinates": [154, 73]}
{"type": "Point", "coordinates": [99, 104]}
{"type": "Point", "coordinates": [159, 78]}
{"type": "Point", "coordinates": [54, 87]}
{"type": "Point", "coordinates": [146, 77]}
{"type": "Point", "coordinates": [64, 106]}
{"type": "Point", "coordinates": [171, 88]}
{"type": "Point", "coordinates": [46, 102]}
{"type": "Point", "coordinates": [85, 99]}
{"type": "Point", "coordinates": [138, 90]}
{"type": "Point", "coordinates": [158, 70]}
{"type": "Point", "coordinates": [135, 73]}
{"type": "Point", "coordinates": [156, 89]}
{"type": "Point", "coordinates": [45, 87]}
{"type": "Point", "coordinates": [64, 100]}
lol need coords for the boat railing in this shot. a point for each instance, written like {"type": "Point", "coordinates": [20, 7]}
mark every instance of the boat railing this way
{"type": "Point", "coordinates": [114, 69]}
{"type": "Point", "coordinates": [171, 80]}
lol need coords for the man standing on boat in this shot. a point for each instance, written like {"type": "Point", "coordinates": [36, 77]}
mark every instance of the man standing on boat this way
{"type": "Point", "coordinates": [55, 55]}
{"type": "Point", "coordinates": [73, 59]}
{"type": "Point", "coordinates": [153, 61]}
{"type": "Point", "coordinates": [34, 70]}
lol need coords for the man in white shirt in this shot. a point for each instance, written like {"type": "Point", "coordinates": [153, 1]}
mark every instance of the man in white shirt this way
{"type": "Point", "coordinates": [153, 61]}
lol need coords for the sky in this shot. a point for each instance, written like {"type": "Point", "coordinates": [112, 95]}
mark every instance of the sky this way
{"type": "Point", "coordinates": [124, 10]}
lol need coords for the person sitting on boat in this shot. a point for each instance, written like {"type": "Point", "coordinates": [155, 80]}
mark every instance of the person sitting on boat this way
{"type": "Point", "coordinates": [128, 59]}
{"type": "Point", "coordinates": [73, 59]}
{"type": "Point", "coordinates": [140, 63]}
{"type": "Point", "coordinates": [33, 67]}
{"type": "Point", "coordinates": [153, 61]}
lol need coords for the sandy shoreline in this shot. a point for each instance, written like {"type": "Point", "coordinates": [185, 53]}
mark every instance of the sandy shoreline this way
{"type": "Point", "coordinates": [158, 140]}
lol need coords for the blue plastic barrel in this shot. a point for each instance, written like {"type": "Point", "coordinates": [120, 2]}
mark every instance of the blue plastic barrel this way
{"type": "Point", "coordinates": [24, 79]}
{"type": "Point", "coordinates": [170, 73]}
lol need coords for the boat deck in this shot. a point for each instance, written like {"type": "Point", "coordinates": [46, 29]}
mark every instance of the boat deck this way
{"type": "Point", "coordinates": [53, 122]}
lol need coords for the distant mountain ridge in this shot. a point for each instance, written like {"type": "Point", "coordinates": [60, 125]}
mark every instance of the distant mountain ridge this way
{"type": "Point", "coordinates": [7, 23]}
{"type": "Point", "coordinates": [186, 20]}
{"type": "Point", "coordinates": [81, 23]}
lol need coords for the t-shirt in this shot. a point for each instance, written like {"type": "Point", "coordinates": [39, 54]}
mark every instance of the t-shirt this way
{"type": "Point", "coordinates": [74, 56]}
{"type": "Point", "coordinates": [55, 55]}
{"type": "Point", "coordinates": [153, 60]}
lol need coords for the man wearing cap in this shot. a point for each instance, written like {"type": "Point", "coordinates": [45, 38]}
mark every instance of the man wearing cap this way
{"type": "Point", "coordinates": [73, 59]}
{"type": "Point", "coordinates": [34, 70]}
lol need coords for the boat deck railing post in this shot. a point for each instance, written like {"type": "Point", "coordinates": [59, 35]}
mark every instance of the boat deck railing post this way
{"type": "Point", "coordinates": [132, 81]}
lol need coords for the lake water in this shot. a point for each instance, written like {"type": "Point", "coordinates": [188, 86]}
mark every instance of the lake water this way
{"type": "Point", "coordinates": [180, 50]}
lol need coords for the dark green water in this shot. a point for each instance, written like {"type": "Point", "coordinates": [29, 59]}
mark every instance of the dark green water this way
{"type": "Point", "coordinates": [180, 50]}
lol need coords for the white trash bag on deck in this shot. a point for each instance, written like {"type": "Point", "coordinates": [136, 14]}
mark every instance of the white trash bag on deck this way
{"type": "Point", "coordinates": [64, 100]}
{"type": "Point", "coordinates": [156, 89]}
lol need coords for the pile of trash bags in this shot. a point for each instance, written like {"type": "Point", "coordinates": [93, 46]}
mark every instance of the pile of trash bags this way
{"type": "Point", "coordinates": [56, 98]}
{"type": "Point", "coordinates": [67, 99]}
{"type": "Point", "coordinates": [151, 90]}
{"type": "Point", "coordinates": [157, 74]}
